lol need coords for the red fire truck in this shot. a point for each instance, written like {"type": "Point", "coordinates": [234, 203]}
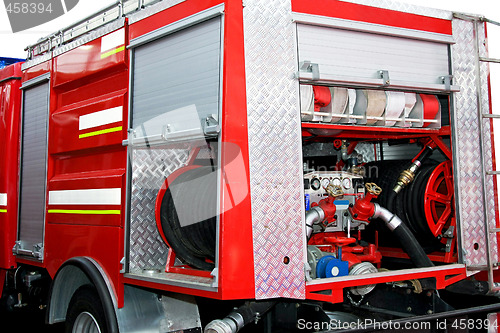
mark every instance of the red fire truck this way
{"type": "Point", "coordinates": [271, 166]}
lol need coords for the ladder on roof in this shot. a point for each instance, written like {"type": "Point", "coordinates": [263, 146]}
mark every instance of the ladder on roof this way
{"type": "Point", "coordinates": [108, 14]}
{"type": "Point", "coordinates": [482, 116]}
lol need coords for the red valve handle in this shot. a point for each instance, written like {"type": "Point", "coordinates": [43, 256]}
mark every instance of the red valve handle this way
{"type": "Point", "coordinates": [340, 241]}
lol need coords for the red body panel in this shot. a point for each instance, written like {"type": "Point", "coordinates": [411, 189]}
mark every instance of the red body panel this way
{"type": "Point", "coordinates": [84, 82]}
{"type": "Point", "coordinates": [37, 70]}
{"type": "Point", "coordinates": [85, 64]}
{"type": "Point", "coordinates": [171, 15]}
{"type": "Point", "coordinates": [10, 114]}
{"type": "Point", "coordinates": [362, 13]}
{"type": "Point", "coordinates": [236, 244]}
{"type": "Point", "coordinates": [102, 244]}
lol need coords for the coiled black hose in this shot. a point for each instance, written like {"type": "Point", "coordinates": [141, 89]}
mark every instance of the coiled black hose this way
{"type": "Point", "coordinates": [408, 205]}
{"type": "Point", "coordinates": [189, 216]}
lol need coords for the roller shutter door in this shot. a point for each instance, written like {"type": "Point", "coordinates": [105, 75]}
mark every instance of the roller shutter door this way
{"type": "Point", "coordinates": [33, 165]}
{"type": "Point", "coordinates": [175, 75]}
{"type": "Point", "coordinates": [357, 57]}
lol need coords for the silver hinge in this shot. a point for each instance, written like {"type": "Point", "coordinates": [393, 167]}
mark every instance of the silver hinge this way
{"type": "Point", "coordinates": [211, 127]}
{"type": "Point", "coordinates": [307, 66]}
{"type": "Point", "coordinates": [446, 80]}
{"type": "Point", "coordinates": [122, 263]}
{"type": "Point", "coordinates": [215, 274]}
{"type": "Point", "coordinates": [36, 251]}
{"type": "Point", "coordinates": [384, 75]}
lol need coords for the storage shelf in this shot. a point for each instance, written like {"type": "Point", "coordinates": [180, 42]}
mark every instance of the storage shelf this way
{"type": "Point", "coordinates": [369, 132]}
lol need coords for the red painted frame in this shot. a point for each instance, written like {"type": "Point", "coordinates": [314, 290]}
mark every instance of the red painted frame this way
{"type": "Point", "coordinates": [332, 290]}
{"type": "Point", "coordinates": [368, 14]}
{"type": "Point", "coordinates": [10, 116]}
{"type": "Point", "coordinates": [235, 262]}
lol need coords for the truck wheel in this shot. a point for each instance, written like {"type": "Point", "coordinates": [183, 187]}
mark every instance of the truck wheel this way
{"type": "Point", "coordinates": [85, 312]}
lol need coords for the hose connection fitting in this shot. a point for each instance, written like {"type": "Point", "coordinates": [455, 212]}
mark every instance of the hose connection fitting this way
{"type": "Point", "coordinates": [408, 175]}
{"type": "Point", "coordinates": [364, 209]}
{"type": "Point", "coordinates": [324, 210]}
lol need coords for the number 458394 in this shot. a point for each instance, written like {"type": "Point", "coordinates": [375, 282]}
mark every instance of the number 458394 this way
{"type": "Point", "coordinates": [28, 8]}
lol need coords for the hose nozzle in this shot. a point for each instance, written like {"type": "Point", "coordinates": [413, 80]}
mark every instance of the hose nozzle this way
{"type": "Point", "coordinates": [406, 177]}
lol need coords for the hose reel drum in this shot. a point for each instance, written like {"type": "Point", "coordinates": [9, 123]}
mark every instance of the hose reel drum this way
{"type": "Point", "coordinates": [186, 215]}
{"type": "Point", "coordinates": [426, 204]}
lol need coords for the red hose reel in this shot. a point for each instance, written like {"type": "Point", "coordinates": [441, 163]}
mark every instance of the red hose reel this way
{"type": "Point", "coordinates": [438, 200]}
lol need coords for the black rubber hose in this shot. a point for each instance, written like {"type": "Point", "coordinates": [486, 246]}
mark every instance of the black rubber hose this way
{"type": "Point", "coordinates": [425, 154]}
{"type": "Point", "coordinates": [411, 246]}
{"type": "Point", "coordinates": [391, 197]}
{"type": "Point", "coordinates": [192, 198]}
{"type": "Point", "coordinates": [171, 231]}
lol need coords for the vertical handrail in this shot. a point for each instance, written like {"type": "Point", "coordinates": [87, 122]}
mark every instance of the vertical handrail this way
{"type": "Point", "coordinates": [479, 97]}
{"type": "Point", "coordinates": [481, 118]}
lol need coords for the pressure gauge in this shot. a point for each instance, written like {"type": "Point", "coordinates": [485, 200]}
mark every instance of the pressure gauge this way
{"type": "Point", "coordinates": [336, 182]}
{"type": "Point", "coordinates": [346, 182]}
{"type": "Point", "coordinates": [325, 182]}
{"type": "Point", "coordinates": [315, 184]}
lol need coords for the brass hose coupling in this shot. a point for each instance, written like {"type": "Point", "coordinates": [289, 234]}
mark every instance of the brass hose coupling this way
{"type": "Point", "coordinates": [406, 177]}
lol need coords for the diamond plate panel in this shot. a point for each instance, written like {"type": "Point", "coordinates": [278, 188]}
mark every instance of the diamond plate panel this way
{"type": "Point", "coordinates": [466, 144]}
{"type": "Point", "coordinates": [150, 167]}
{"type": "Point", "coordinates": [275, 149]}
{"type": "Point", "coordinates": [367, 150]}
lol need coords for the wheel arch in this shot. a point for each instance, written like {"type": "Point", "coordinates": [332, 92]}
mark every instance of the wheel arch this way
{"type": "Point", "coordinates": [73, 274]}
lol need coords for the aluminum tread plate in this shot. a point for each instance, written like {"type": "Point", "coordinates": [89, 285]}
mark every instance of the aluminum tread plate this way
{"type": "Point", "coordinates": [150, 167]}
{"type": "Point", "coordinates": [275, 149]}
{"type": "Point", "coordinates": [466, 144]}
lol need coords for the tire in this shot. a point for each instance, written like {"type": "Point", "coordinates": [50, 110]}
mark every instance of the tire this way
{"type": "Point", "coordinates": [85, 312]}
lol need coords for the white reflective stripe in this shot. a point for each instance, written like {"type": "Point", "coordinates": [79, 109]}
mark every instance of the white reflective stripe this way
{"type": "Point", "coordinates": [113, 40]}
{"type": "Point", "coordinates": [3, 199]}
{"type": "Point", "coordinates": [101, 118]}
{"type": "Point", "coordinates": [103, 196]}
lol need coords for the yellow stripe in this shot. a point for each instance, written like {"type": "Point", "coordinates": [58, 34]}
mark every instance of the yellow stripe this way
{"type": "Point", "coordinates": [84, 212]}
{"type": "Point", "coordinates": [3, 210]}
{"type": "Point", "coordinates": [104, 131]}
{"type": "Point", "coordinates": [109, 53]}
